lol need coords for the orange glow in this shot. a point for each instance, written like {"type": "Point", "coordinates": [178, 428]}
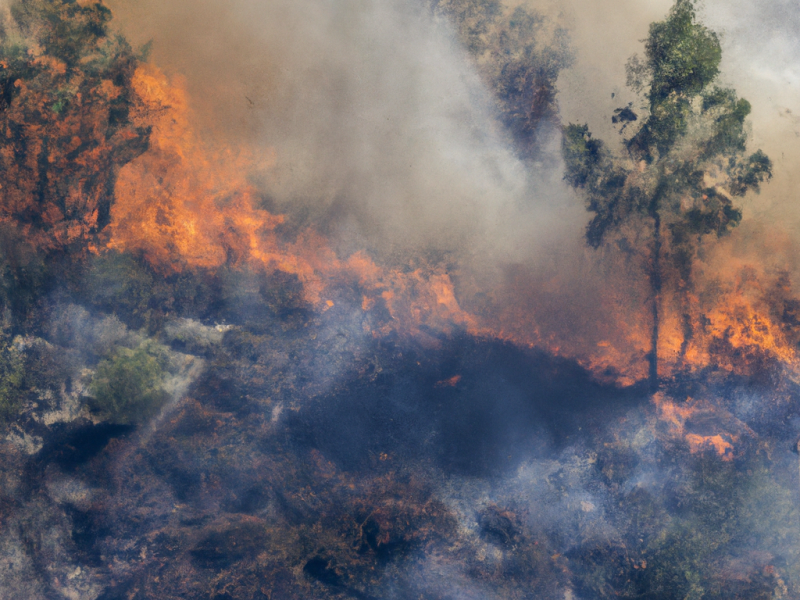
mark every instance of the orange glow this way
{"type": "Point", "coordinates": [186, 203]}
{"type": "Point", "coordinates": [451, 382]}
{"type": "Point", "coordinates": [697, 443]}
{"type": "Point", "coordinates": [182, 203]}
{"type": "Point", "coordinates": [677, 419]}
{"type": "Point", "coordinates": [672, 413]}
{"type": "Point", "coordinates": [59, 157]}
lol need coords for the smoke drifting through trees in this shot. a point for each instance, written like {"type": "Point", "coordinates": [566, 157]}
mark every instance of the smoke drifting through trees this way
{"type": "Point", "coordinates": [684, 162]}
{"type": "Point", "coordinates": [314, 101]}
{"type": "Point", "coordinates": [381, 127]}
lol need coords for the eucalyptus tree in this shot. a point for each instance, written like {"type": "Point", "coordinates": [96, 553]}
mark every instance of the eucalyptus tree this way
{"type": "Point", "coordinates": [682, 166]}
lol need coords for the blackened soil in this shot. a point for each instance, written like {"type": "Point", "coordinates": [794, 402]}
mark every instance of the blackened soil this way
{"type": "Point", "coordinates": [73, 445]}
{"type": "Point", "coordinates": [472, 406]}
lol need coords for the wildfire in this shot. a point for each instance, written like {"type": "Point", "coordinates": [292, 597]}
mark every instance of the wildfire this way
{"type": "Point", "coordinates": [186, 203]}
{"type": "Point", "coordinates": [703, 426]}
{"type": "Point", "coordinates": [183, 203]}
{"type": "Point", "coordinates": [735, 331]}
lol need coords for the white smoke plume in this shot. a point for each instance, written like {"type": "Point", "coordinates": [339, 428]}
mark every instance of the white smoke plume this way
{"type": "Point", "coordinates": [383, 132]}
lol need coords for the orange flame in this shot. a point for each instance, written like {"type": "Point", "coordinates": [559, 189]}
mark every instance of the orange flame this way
{"type": "Point", "coordinates": [678, 417]}
{"type": "Point", "coordinates": [188, 204]}
{"type": "Point", "coordinates": [697, 443]}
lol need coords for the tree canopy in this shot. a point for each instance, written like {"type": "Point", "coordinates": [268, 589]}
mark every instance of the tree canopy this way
{"type": "Point", "coordinates": [683, 164]}
{"type": "Point", "coordinates": [519, 53]}
{"type": "Point", "coordinates": [65, 98]}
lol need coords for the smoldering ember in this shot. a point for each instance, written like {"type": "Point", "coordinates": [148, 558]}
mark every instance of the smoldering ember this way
{"type": "Point", "coordinates": [382, 299]}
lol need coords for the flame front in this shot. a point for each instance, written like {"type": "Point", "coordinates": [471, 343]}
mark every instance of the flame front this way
{"type": "Point", "coordinates": [186, 203]}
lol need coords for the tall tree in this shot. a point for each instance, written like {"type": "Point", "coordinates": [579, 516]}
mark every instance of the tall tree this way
{"type": "Point", "coordinates": [519, 54]}
{"type": "Point", "coordinates": [65, 131]}
{"type": "Point", "coordinates": [65, 98]}
{"type": "Point", "coordinates": [683, 163]}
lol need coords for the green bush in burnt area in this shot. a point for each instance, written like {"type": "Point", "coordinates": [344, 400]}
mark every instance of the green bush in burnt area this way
{"type": "Point", "coordinates": [128, 387]}
{"type": "Point", "coordinates": [12, 375]}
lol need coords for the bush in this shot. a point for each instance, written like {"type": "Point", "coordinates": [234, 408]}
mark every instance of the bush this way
{"type": "Point", "coordinates": [128, 387]}
{"type": "Point", "coordinates": [12, 374]}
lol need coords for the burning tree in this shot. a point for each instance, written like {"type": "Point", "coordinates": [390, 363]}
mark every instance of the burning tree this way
{"type": "Point", "coordinates": [65, 98]}
{"type": "Point", "coordinates": [680, 170]}
{"type": "Point", "coordinates": [519, 53]}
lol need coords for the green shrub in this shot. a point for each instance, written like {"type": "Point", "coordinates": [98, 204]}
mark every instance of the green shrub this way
{"type": "Point", "coordinates": [12, 374]}
{"type": "Point", "coordinates": [128, 387]}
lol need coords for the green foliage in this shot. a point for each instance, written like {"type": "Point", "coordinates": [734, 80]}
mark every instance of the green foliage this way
{"type": "Point", "coordinates": [65, 28]}
{"type": "Point", "coordinates": [590, 166]}
{"type": "Point", "coordinates": [12, 375]}
{"type": "Point", "coordinates": [749, 174]}
{"type": "Point", "coordinates": [519, 53]}
{"type": "Point", "coordinates": [713, 531]}
{"type": "Point", "coordinates": [683, 56]}
{"type": "Point", "coordinates": [126, 286]}
{"type": "Point", "coordinates": [682, 59]}
{"type": "Point", "coordinates": [724, 507]}
{"type": "Point", "coordinates": [681, 168]}
{"type": "Point", "coordinates": [128, 387]}
{"type": "Point", "coordinates": [582, 154]}
{"type": "Point", "coordinates": [694, 131]}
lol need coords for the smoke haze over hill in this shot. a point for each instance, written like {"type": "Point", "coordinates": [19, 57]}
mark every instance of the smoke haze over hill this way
{"type": "Point", "coordinates": [382, 130]}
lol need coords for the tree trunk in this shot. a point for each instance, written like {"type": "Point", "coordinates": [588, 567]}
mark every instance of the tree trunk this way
{"type": "Point", "coordinates": [686, 319]}
{"type": "Point", "coordinates": [655, 288]}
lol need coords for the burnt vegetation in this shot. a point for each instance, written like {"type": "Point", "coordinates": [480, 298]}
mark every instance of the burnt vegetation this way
{"type": "Point", "coordinates": [212, 433]}
{"type": "Point", "coordinates": [65, 132]}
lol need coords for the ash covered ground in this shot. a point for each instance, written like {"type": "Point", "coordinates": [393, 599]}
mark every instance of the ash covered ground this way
{"type": "Point", "coordinates": [296, 459]}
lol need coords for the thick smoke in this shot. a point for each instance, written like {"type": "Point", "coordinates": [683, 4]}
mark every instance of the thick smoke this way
{"type": "Point", "coordinates": [382, 130]}
{"type": "Point", "coordinates": [761, 57]}
{"type": "Point", "coordinates": [381, 125]}
{"type": "Point", "coordinates": [385, 139]}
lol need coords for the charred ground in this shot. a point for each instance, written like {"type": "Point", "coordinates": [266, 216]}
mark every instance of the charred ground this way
{"type": "Point", "coordinates": [309, 458]}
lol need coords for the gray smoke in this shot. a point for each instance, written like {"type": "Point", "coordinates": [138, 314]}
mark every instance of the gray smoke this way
{"type": "Point", "coordinates": [385, 137]}
{"type": "Point", "coordinates": [383, 131]}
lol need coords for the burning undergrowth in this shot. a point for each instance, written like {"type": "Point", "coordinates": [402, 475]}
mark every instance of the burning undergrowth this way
{"type": "Point", "coordinates": [203, 397]}
{"type": "Point", "coordinates": [326, 464]}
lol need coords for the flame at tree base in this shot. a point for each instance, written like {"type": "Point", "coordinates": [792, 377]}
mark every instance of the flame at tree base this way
{"type": "Point", "coordinates": [190, 204]}
{"type": "Point", "coordinates": [186, 204]}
